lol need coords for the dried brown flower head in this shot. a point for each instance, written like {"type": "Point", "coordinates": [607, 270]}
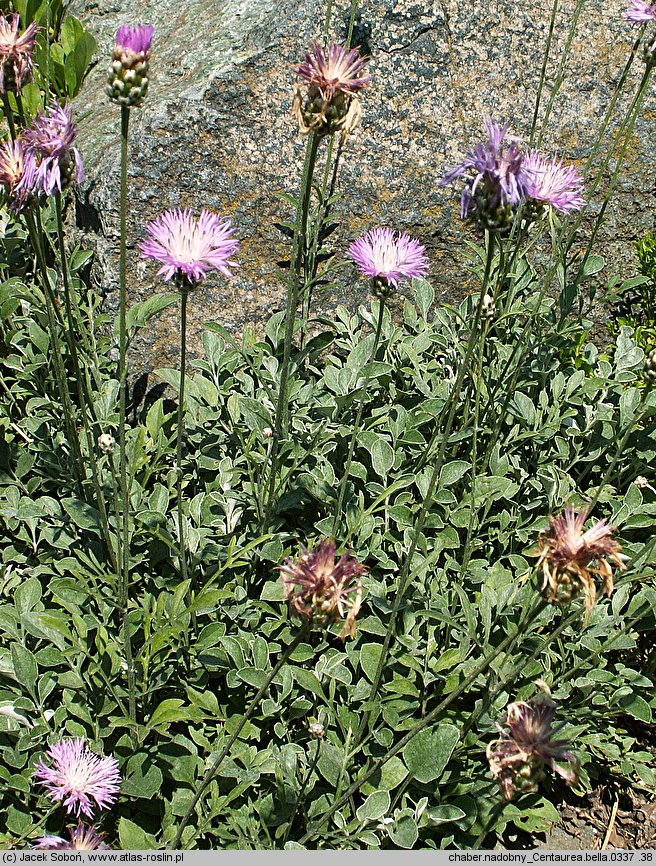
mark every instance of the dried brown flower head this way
{"type": "Point", "coordinates": [333, 78]}
{"type": "Point", "coordinates": [517, 761]}
{"type": "Point", "coordinates": [323, 590]}
{"type": "Point", "coordinates": [16, 53]}
{"type": "Point", "coordinates": [570, 558]}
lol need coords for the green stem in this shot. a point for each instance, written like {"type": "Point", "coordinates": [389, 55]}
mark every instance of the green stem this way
{"type": "Point", "coordinates": [301, 794]}
{"type": "Point", "coordinates": [84, 398]}
{"type": "Point", "coordinates": [543, 71]}
{"type": "Point", "coordinates": [297, 260]}
{"type": "Point", "coordinates": [60, 370]}
{"type": "Point", "coordinates": [216, 763]}
{"type": "Point", "coordinates": [124, 577]}
{"type": "Point", "coordinates": [480, 668]}
{"type": "Point", "coordinates": [182, 552]}
{"type": "Point", "coordinates": [358, 417]}
{"type": "Point", "coordinates": [9, 115]}
{"type": "Point", "coordinates": [406, 570]}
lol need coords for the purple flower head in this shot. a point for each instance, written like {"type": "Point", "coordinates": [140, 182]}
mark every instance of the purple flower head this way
{"type": "Point", "coordinates": [78, 776]}
{"type": "Point", "coordinates": [51, 139]}
{"type": "Point", "coordinates": [639, 12]}
{"type": "Point", "coordinates": [82, 839]}
{"type": "Point", "coordinates": [517, 760]}
{"type": "Point", "coordinates": [333, 70]}
{"type": "Point", "coordinates": [550, 182]}
{"type": "Point", "coordinates": [136, 38]}
{"type": "Point", "coordinates": [128, 79]}
{"type": "Point", "coordinates": [188, 247]}
{"type": "Point", "coordinates": [384, 256]}
{"type": "Point", "coordinates": [494, 178]}
{"type": "Point", "coordinates": [18, 174]}
{"type": "Point", "coordinates": [16, 53]}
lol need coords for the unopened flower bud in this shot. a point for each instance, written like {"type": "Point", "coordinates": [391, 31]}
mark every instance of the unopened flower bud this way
{"type": "Point", "coordinates": [106, 443]}
{"type": "Point", "coordinates": [488, 308]}
{"type": "Point", "coordinates": [267, 432]}
{"type": "Point", "coordinates": [317, 730]}
{"type": "Point", "coordinates": [127, 83]}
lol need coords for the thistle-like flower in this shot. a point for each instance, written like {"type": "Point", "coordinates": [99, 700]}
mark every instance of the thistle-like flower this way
{"type": "Point", "coordinates": [189, 248]}
{"type": "Point", "coordinates": [568, 556]}
{"type": "Point", "coordinates": [517, 761]}
{"type": "Point", "coordinates": [51, 138]}
{"type": "Point", "coordinates": [494, 180]}
{"type": "Point", "coordinates": [83, 838]}
{"type": "Point", "coordinates": [323, 590]}
{"type": "Point", "coordinates": [333, 78]}
{"type": "Point", "coordinates": [387, 258]}
{"type": "Point", "coordinates": [549, 182]}
{"type": "Point", "coordinates": [16, 54]}
{"type": "Point", "coordinates": [128, 75]}
{"type": "Point", "coordinates": [78, 776]}
{"type": "Point", "coordinates": [18, 172]}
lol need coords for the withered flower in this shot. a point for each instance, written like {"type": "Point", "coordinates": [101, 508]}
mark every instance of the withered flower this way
{"type": "Point", "coordinates": [570, 558]}
{"type": "Point", "coordinates": [333, 79]}
{"type": "Point", "coordinates": [517, 760]}
{"type": "Point", "coordinates": [323, 590]}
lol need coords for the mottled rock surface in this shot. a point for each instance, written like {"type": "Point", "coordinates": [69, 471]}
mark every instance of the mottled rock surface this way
{"type": "Point", "coordinates": [217, 131]}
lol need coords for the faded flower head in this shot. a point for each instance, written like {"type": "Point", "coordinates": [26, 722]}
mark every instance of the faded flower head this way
{"type": "Point", "coordinates": [549, 182]}
{"type": "Point", "coordinates": [517, 760]}
{"type": "Point", "coordinates": [128, 80]}
{"type": "Point", "coordinates": [494, 180]}
{"type": "Point", "coordinates": [333, 77]}
{"type": "Point", "coordinates": [323, 590]}
{"type": "Point", "coordinates": [387, 258]}
{"type": "Point", "coordinates": [83, 838]}
{"type": "Point", "coordinates": [16, 54]}
{"type": "Point", "coordinates": [51, 138]}
{"type": "Point", "coordinates": [189, 248]}
{"type": "Point", "coordinates": [78, 777]}
{"type": "Point", "coordinates": [570, 557]}
{"type": "Point", "coordinates": [18, 171]}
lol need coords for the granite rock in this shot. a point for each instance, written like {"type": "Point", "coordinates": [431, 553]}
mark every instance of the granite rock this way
{"type": "Point", "coordinates": [217, 131]}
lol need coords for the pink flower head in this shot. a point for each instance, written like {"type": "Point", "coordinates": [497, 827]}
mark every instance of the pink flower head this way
{"type": "Point", "coordinates": [51, 138]}
{"type": "Point", "coordinates": [136, 39]}
{"type": "Point", "coordinates": [16, 53]}
{"type": "Point", "coordinates": [82, 839]}
{"type": "Point", "coordinates": [18, 174]}
{"type": "Point", "coordinates": [517, 760]}
{"type": "Point", "coordinates": [567, 555]}
{"type": "Point", "coordinates": [323, 590]}
{"type": "Point", "coordinates": [333, 70]}
{"type": "Point", "coordinates": [188, 247]}
{"type": "Point", "coordinates": [78, 776]}
{"type": "Point", "coordinates": [639, 12]}
{"type": "Point", "coordinates": [552, 183]}
{"type": "Point", "coordinates": [494, 177]}
{"type": "Point", "coordinates": [383, 255]}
